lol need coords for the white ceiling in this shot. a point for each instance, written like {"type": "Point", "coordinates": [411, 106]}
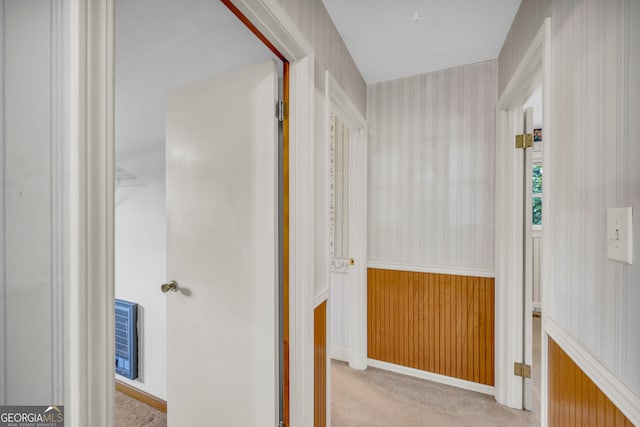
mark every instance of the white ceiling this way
{"type": "Point", "coordinates": [386, 44]}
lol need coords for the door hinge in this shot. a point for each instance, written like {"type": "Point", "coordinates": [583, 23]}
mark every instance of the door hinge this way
{"type": "Point", "coordinates": [524, 140]}
{"type": "Point", "coordinates": [282, 424]}
{"type": "Point", "coordinates": [282, 112]}
{"type": "Point", "coordinates": [521, 370]}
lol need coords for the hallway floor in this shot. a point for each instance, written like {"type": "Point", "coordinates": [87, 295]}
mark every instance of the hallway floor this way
{"type": "Point", "coordinates": [379, 398]}
{"type": "Point", "coordinates": [133, 413]}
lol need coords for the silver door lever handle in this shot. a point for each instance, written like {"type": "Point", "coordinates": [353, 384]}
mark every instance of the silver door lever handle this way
{"type": "Point", "coordinates": [171, 286]}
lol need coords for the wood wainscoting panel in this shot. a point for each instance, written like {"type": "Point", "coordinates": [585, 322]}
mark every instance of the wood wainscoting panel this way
{"type": "Point", "coordinates": [320, 365]}
{"type": "Point", "coordinates": [438, 323]}
{"type": "Point", "coordinates": [574, 399]}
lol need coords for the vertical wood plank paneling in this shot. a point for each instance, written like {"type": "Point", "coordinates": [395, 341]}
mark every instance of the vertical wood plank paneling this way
{"type": "Point", "coordinates": [411, 318]}
{"type": "Point", "coordinates": [421, 319]}
{"type": "Point", "coordinates": [404, 321]}
{"type": "Point", "coordinates": [575, 400]}
{"type": "Point", "coordinates": [320, 365]}
{"type": "Point", "coordinates": [447, 327]}
{"type": "Point", "coordinates": [600, 411]}
{"type": "Point", "coordinates": [470, 329]}
{"type": "Point", "coordinates": [369, 310]}
{"type": "Point", "coordinates": [476, 329]}
{"type": "Point", "coordinates": [491, 314]}
{"type": "Point", "coordinates": [464, 300]}
{"type": "Point", "coordinates": [482, 329]}
{"type": "Point", "coordinates": [458, 327]}
{"type": "Point", "coordinates": [433, 322]}
{"type": "Point", "coordinates": [437, 314]}
{"type": "Point", "coordinates": [430, 324]}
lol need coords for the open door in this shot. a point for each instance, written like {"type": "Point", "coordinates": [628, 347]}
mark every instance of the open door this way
{"type": "Point", "coordinates": [222, 250]}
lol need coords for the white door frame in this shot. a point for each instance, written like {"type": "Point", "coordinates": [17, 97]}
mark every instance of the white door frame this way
{"type": "Point", "coordinates": [89, 295]}
{"type": "Point", "coordinates": [534, 69]}
{"type": "Point", "coordinates": [337, 99]}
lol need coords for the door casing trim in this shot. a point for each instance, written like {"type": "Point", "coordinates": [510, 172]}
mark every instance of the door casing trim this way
{"type": "Point", "coordinates": [534, 69]}
{"type": "Point", "coordinates": [89, 294]}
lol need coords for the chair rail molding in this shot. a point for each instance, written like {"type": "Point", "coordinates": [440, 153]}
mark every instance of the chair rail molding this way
{"type": "Point", "coordinates": [436, 269]}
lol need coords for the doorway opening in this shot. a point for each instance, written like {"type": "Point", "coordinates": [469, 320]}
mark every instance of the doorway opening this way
{"type": "Point", "coordinates": [90, 300]}
{"type": "Point", "coordinates": [533, 206]}
{"type": "Point", "coordinates": [157, 53]}
{"type": "Point", "coordinates": [516, 270]}
{"type": "Point", "coordinates": [346, 322]}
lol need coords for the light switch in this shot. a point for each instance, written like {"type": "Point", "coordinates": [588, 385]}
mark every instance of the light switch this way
{"type": "Point", "coordinates": [620, 234]}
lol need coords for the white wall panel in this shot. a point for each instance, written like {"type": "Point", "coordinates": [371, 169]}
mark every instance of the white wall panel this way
{"type": "Point", "coordinates": [594, 155]}
{"type": "Point", "coordinates": [340, 310]}
{"type": "Point", "coordinates": [31, 142]}
{"type": "Point", "coordinates": [431, 169]}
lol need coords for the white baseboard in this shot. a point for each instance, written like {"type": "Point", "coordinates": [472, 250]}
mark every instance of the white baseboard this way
{"type": "Point", "coordinates": [443, 379]}
{"type": "Point", "coordinates": [340, 353]}
{"type": "Point", "coordinates": [621, 396]}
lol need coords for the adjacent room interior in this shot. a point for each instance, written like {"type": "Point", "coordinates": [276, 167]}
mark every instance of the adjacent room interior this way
{"type": "Point", "coordinates": [160, 46]}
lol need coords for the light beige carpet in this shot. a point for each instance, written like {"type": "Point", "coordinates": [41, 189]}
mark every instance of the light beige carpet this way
{"type": "Point", "coordinates": [133, 413]}
{"type": "Point", "coordinates": [379, 398]}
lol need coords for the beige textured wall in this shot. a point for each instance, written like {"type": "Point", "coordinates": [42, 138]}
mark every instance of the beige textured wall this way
{"type": "Point", "coordinates": [525, 26]}
{"type": "Point", "coordinates": [331, 53]}
{"type": "Point", "coordinates": [593, 166]}
{"type": "Point", "coordinates": [431, 169]}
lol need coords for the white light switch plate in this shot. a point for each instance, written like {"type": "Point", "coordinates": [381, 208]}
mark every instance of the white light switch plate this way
{"type": "Point", "coordinates": [620, 234]}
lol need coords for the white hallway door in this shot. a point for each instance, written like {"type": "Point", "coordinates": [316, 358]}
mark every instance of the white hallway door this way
{"type": "Point", "coordinates": [222, 250]}
{"type": "Point", "coordinates": [348, 270]}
